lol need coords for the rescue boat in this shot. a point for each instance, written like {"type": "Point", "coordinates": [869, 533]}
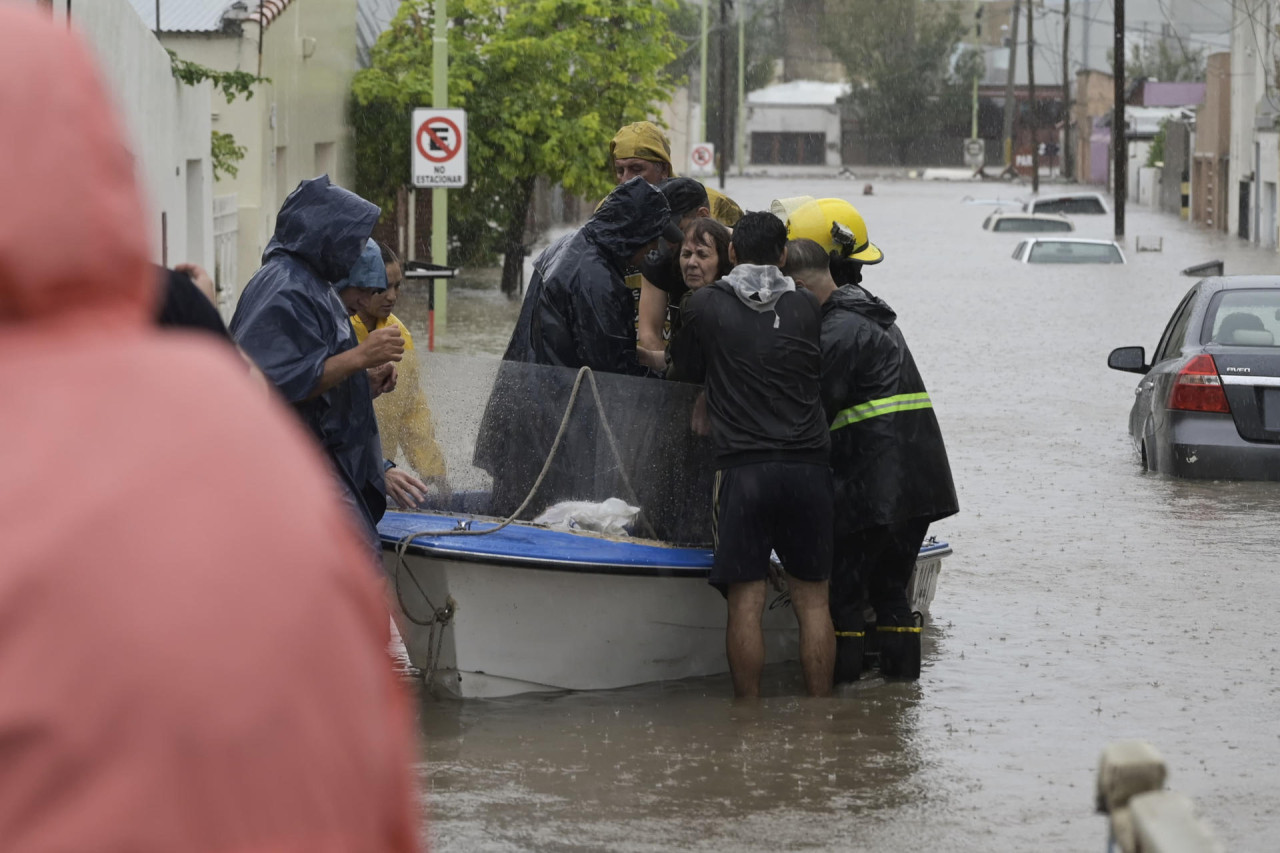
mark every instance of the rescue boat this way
{"type": "Point", "coordinates": [491, 603]}
{"type": "Point", "coordinates": [529, 608]}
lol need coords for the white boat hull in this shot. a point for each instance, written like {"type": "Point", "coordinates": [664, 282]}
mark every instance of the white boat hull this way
{"type": "Point", "coordinates": [519, 629]}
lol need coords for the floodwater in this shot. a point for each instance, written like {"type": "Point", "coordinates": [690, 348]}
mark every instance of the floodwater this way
{"type": "Point", "coordinates": [1086, 602]}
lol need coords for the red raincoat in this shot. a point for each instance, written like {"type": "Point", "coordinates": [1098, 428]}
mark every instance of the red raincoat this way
{"type": "Point", "coordinates": [192, 640]}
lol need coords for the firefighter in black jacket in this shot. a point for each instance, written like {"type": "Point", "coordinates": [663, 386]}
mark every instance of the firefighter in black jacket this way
{"type": "Point", "coordinates": [892, 477]}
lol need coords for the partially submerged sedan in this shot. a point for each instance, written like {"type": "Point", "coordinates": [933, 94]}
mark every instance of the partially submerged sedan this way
{"type": "Point", "coordinates": [1073, 203]}
{"type": "Point", "coordinates": [1208, 405]}
{"type": "Point", "coordinates": [1029, 222]}
{"type": "Point", "coordinates": [1067, 250]}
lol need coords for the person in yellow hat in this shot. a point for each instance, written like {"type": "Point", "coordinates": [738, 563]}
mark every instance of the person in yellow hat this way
{"type": "Point", "coordinates": [643, 149]}
{"type": "Point", "coordinates": [835, 225]}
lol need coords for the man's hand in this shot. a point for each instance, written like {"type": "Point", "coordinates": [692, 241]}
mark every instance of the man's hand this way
{"type": "Point", "coordinates": [382, 379]}
{"type": "Point", "coordinates": [701, 421]}
{"type": "Point", "coordinates": [404, 488]}
{"type": "Point", "coordinates": [201, 279]}
{"type": "Point", "coordinates": [654, 359]}
{"type": "Point", "coordinates": [382, 345]}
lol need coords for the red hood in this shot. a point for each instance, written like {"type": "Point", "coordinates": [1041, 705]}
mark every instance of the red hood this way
{"type": "Point", "coordinates": [71, 225]}
{"type": "Point", "coordinates": [192, 634]}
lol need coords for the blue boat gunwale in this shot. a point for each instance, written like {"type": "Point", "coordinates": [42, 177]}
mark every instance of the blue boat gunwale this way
{"type": "Point", "coordinates": [644, 558]}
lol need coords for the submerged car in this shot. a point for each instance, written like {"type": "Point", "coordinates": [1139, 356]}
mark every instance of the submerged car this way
{"type": "Point", "coordinates": [1067, 250]}
{"type": "Point", "coordinates": [1067, 203]}
{"type": "Point", "coordinates": [1208, 405]}
{"type": "Point", "coordinates": [1028, 222]}
{"type": "Point", "coordinates": [996, 201]}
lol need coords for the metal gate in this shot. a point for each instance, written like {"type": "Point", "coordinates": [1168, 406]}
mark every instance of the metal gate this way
{"type": "Point", "coordinates": [226, 230]}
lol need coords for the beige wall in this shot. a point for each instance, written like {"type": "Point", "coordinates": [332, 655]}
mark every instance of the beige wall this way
{"type": "Point", "coordinates": [804, 56]}
{"type": "Point", "coordinates": [1094, 96]}
{"type": "Point", "coordinates": [295, 126]}
{"type": "Point", "coordinates": [1213, 119]}
{"type": "Point", "coordinates": [1210, 166]}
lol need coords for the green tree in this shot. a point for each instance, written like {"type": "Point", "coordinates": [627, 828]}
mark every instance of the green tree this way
{"type": "Point", "coordinates": [898, 54]}
{"type": "Point", "coordinates": [763, 31]}
{"type": "Point", "coordinates": [546, 84]}
{"type": "Point", "coordinates": [1165, 61]}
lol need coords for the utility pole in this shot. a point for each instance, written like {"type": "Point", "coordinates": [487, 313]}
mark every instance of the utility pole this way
{"type": "Point", "coordinates": [1031, 101]}
{"type": "Point", "coordinates": [1008, 88]}
{"type": "Point", "coordinates": [702, 74]}
{"type": "Point", "coordinates": [1068, 162]}
{"type": "Point", "coordinates": [977, 39]}
{"type": "Point", "coordinates": [1120, 145]}
{"type": "Point", "coordinates": [722, 138]}
{"type": "Point", "coordinates": [740, 155]}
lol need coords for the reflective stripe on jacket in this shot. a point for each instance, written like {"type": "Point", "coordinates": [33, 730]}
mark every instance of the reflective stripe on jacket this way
{"type": "Point", "coordinates": [888, 460]}
{"type": "Point", "coordinates": [883, 406]}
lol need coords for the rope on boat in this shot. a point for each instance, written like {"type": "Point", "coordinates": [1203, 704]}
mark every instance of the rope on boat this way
{"type": "Point", "coordinates": [441, 616]}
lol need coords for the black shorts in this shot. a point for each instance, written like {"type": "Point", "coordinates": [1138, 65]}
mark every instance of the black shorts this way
{"type": "Point", "coordinates": [780, 506]}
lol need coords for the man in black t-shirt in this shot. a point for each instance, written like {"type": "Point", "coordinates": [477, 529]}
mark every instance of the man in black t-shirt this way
{"type": "Point", "coordinates": [755, 341]}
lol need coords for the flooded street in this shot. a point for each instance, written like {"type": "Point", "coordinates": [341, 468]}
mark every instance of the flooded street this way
{"type": "Point", "coordinates": [1086, 601]}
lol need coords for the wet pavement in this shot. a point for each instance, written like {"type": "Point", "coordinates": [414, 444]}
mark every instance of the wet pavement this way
{"type": "Point", "coordinates": [1086, 601]}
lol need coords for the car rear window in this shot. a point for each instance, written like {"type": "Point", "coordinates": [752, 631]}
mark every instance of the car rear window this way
{"type": "Point", "coordinates": [1054, 252]}
{"type": "Point", "coordinates": [1244, 318]}
{"type": "Point", "coordinates": [1072, 204]}
{"type": "Point", "coordinates": [1027, 223]}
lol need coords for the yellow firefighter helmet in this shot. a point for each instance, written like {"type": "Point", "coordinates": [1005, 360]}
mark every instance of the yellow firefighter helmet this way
{"type": "Point", "coordinates": [835, 225]}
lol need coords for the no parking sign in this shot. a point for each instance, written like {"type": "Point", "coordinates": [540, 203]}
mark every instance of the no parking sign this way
{"type": "Point", "coordinates": [702, 158]}
{"type": "Point", "coordinates": [439, 148]}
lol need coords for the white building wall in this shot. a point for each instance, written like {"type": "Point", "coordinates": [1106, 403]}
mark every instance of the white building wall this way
{"type": "Point", "coordinates": [775, 118]}
{"type": "Point", "coordinates": [1268, 148]}
{"type": "Point", "coordinates": [1247, 86]}
{"type": "Point", "coordinates": [295, 126]}
{"type": "Point", "coordinates": [168, 127]}
{"type": "Point", "coordinates": [1138, 151]}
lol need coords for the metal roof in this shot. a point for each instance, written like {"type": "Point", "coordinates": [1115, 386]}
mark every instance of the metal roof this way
{"type": "Point", "coordinates": [190, 16]}
{"type": "Point", "coordinates": [373, 17]}
{"type": "Point", "coordinates": [798, 93]}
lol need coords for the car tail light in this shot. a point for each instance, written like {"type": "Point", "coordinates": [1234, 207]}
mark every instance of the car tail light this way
{"type": "Point", "coordinates": [1198, 388]}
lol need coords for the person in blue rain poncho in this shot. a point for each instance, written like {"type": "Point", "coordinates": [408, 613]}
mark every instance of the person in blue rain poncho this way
{"type": "Point", "coordinates": [291, 322]}
{"type": "Point", "coordinates": [578, 312]}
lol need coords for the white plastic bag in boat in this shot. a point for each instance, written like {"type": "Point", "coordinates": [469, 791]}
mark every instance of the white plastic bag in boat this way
{"type": "Point", "coordinates": [612, 517]}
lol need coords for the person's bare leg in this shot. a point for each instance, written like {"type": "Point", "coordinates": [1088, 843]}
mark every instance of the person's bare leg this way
{"type": "Point", "coordinates": [817, 637]}
{"type": "Point", "coordinates": [744, 638]}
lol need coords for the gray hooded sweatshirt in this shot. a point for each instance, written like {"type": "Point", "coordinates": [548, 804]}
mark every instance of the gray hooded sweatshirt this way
{"type": "Point", "coordinates": [754, 340]}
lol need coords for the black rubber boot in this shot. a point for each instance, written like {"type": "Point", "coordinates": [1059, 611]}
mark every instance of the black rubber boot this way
{"type": "Point", "coordinates": [898, 636]}
{"type": "Point", "coordinates": [849, 647]}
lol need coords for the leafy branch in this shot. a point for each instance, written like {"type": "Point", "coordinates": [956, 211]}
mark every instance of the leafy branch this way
{"type": "Point", "coordinates": [232, 83]}
{"type": "Point", "coordinates": [226, 154]}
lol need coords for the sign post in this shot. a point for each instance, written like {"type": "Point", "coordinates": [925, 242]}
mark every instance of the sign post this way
{"type": "Point", "coordinates": [974, 153]}
{"type": "Point", "coordinates": [702, 159]}
{"type": "Point", "coordinates": [440, 195]}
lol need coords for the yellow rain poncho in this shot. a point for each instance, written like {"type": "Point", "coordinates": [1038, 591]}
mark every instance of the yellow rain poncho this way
{"type": "Point", "coordinates": [404, 419]}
